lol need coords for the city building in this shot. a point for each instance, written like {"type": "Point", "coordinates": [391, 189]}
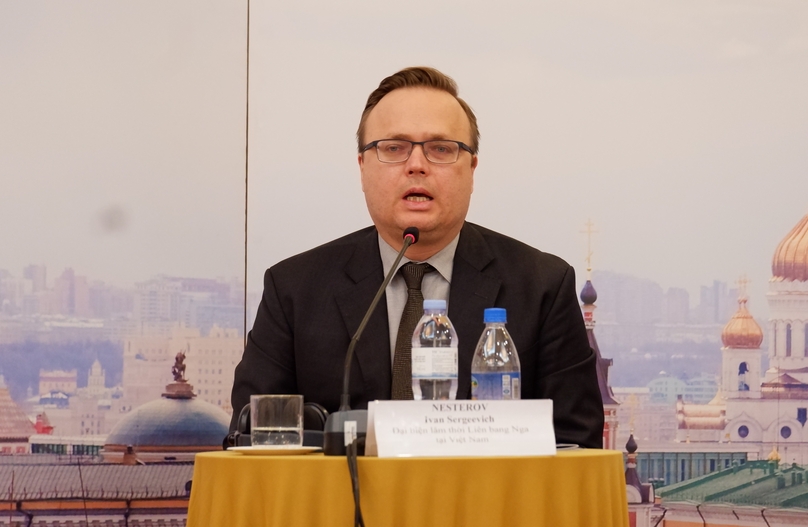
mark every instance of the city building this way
{"type": "Point", "coordinates": [51, 381]}
{"type": "Point", "coordinates": [666, 389]}
{"type": "Point", "coordinates": [764, 410]}
{"type": "Point", "coordinates": [189, 302]}
{"type": "Point", "coordinates": [71, 295]}
{"type": "Point", "coordinates": [701, 389]}
{"type": "Point", "coordinates": [649, 422]}
{"type": "Point", "coordinates": [662, 460]}
{"type": "Point", "coordinates": [84, 412]}
{"type": "Point", "coordinates": [56, 491]}
{"type": "Point", "coordinates": [639, 313]}
{"type": "Point", "coordinates": [211, 361]}
{"type": "Point", "coordinates": [38, 277]}
{"type": "Point", "coordinates": [88, 447]}
{"type": "Point", "coordinates": [670, 462]}
{"type": "Point", "coordinates": [146, 367]}
{"type": "Point", "coordinates": [138, 476]}
{"type": "Point", "coordinates": [755, 493]}
{"type": "Point", "coordinates": [95, 380]}
{"type": "Point", "coordinates": [716, 303]}
{"type": "Point", "coordinates": [75, 308]}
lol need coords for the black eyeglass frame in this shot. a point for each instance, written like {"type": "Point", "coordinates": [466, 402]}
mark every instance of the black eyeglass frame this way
{"type": "Point", "coordinates": [373, 144]}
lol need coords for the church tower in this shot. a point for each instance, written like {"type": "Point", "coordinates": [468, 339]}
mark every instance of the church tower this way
{"type": "Point", "coordinates": [95, 379]}
{"type": "Point", "coordinates": [741, 354]}
{"type": "Point", "coordinates": [788, 302]}
{"type": "Point", "coordinates": [610, 404]}
{"type": "Point", "coordinates": [589, 296]}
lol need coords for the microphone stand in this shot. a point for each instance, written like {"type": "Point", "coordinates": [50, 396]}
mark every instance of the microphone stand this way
{"type": "Point", "coordinates": [346, 429]}
{"type": "Point", "coordinates": [346, 425]}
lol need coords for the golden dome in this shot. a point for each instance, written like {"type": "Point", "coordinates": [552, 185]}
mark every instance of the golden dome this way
{"type": "Point", "coordinates": [790, 260]}
{"type": "Point", "coordinates": [742, 332]}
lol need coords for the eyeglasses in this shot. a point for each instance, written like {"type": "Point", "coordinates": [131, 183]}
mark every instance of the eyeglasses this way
{"type": "Point", "coordinates": [399, 150]}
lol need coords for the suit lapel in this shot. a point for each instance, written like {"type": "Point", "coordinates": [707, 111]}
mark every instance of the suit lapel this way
{"type": "Point", "coordinates": [475, 285]}
{"type": "Point", "coordinates": [474, 288]}
{"type": "Point", "coordinates": [372, 353]}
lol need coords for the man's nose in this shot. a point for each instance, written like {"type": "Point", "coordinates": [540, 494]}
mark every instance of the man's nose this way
{"type": "Point", "coordinates": [417, 161]}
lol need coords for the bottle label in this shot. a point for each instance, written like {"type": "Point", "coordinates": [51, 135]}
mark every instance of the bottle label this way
{"type": "Point", "coordinates": [434, 363]}
{"type": "Point", "coordinates": [495, 386]}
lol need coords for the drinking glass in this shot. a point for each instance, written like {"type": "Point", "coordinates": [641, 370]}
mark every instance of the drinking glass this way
{"type": "Point", "coordinates": [276, 420]}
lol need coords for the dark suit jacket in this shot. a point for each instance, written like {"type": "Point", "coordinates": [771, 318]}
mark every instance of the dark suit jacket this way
{"type": "Point", "coordinates": [314, 302]}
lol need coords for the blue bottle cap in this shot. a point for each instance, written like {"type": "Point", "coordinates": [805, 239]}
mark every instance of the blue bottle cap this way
{"type": "Point", "coordinates": [434, 305]}
{"type": "Point", "coordinates": [495, 314]}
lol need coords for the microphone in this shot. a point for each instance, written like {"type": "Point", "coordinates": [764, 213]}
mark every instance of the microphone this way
{"type": "Point", "coordinates": [342, 426]}
{"type": "Point", "coordinates": [410, 233]}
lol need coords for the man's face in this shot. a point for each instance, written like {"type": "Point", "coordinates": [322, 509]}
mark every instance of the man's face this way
{"type": "Point", "coordinates": [417, 193]}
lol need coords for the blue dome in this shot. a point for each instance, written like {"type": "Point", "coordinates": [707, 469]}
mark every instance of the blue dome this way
{"type": "Point", "coordinates": [588, 293]}
{"type": "Point", "coordinates": [172, 422]}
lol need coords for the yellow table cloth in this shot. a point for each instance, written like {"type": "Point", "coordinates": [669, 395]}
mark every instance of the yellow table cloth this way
{"type": "Point", "coordinates": [576, 488]}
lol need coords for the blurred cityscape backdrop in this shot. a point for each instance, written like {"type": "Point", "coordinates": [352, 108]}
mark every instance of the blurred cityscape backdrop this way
{"type": "Point", "coordinates": [678, 129]}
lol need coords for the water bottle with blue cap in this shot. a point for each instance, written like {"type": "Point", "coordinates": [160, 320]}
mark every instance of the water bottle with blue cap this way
{"type": "Point", "coordinates": [495, 366]}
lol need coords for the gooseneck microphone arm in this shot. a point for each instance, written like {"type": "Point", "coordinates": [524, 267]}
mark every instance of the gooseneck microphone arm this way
{"type": "Point", "coordinates": [410, 237]}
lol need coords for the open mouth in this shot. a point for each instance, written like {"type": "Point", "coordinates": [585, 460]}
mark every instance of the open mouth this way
{"type": "Point", "coordinates": [417, 196]}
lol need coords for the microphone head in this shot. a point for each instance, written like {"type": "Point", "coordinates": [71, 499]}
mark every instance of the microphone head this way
{"type": "Point", "coordinates": [412, 233]}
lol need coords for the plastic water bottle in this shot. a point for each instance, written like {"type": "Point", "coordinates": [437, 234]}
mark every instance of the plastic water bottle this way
{"type": "Point", "coordinates": [434, 354]}
{"type": "Point", "coordinates": [495, 366]}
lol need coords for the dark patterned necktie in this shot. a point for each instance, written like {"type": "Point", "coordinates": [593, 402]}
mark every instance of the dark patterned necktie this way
{"type": "Point", "coordinates": [413, 273]}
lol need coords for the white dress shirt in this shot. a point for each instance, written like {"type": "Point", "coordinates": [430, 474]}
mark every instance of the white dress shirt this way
{"type": "Point", "coordinates": [435, 285]}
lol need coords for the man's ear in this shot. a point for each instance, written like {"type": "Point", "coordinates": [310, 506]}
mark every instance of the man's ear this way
{"type": "Point", "coordinates": [361, 160]}
{"type": "Point", "coordinates": [474, 160]}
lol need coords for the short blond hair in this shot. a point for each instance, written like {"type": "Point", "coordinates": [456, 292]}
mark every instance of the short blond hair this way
{"type": "Point", "coordinates": [417, 76]}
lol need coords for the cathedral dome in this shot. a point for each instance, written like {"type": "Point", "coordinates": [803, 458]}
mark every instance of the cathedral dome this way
{"type": "Point", "coordinates": [742, 332]}
{"type": "Point", "coordinates": [790, 261]}
{"type": "Point", "coordinates": [172, 428]}
{"type": "Point", "coordinates": [170, 423]}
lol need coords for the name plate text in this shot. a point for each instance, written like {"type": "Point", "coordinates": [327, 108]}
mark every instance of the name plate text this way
{"type": "Point", "coordinates": [460, 428]}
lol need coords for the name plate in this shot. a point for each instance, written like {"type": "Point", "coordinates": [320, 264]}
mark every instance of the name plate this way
{"type": "Point", "coordinates": [460, 428]}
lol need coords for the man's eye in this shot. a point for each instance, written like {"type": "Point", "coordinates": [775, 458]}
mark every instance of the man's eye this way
{"type": "Point", "coordinates": [393, 148]}
{"type": "Point", "coordinates": [441, 148]}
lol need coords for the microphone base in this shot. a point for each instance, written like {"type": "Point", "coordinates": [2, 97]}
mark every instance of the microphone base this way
{"type": "Point", "coordinates": [334, 433]}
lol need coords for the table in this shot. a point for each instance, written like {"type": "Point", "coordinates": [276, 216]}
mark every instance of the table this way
{"type": "Point", "coordinates": [575, 488]}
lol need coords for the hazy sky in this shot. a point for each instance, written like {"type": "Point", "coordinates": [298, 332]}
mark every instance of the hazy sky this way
{"type": "Point", "coordinates": [680, 128]}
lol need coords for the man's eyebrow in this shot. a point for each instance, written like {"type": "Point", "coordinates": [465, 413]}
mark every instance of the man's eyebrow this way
{"type": "Point", "coordinates": [407, 137]}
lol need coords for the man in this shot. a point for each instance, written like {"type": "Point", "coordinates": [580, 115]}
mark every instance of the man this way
{"type": "Point", "coordinates": [418, 147]}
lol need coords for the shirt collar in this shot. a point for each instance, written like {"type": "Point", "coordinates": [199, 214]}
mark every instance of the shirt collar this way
{"type": "Point", "coordinates": [442, 261]}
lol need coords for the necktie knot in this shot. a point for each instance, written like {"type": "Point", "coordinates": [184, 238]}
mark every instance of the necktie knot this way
{"type": "Point", "coordinates": [413, 273]}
